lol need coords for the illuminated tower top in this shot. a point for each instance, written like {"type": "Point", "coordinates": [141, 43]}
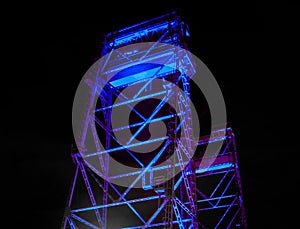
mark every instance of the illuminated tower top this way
{"type": "Point", "coordinates": [168, 28]}
{"type": "Point", "coordinates": [125, 66]}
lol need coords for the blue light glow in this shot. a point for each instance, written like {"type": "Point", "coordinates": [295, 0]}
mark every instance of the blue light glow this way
{"type": "Point", "coordinates": [215, 167]}
{"type": "Point", "coordinates": [147, 73]}
{"type": "Point", "coordinates": [131, 101]}
{"type": "Point", "coordinates": [84, 221]}
{"type": "Point", "coordinates": [117, 203]}
{"type": "Point", "coordinates": [126, 147]}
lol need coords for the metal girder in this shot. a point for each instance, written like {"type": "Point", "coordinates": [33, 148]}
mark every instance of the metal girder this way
{"type": "Point", "coordinates": [84, 221]}
{"type": "Point", "coordinates": [89, 190]}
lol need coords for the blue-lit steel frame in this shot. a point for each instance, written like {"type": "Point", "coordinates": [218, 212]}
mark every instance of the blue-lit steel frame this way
{"type": "Point", "coordinates": [224, 202]}
{"type": "Point", "coordinates": [183, 207]}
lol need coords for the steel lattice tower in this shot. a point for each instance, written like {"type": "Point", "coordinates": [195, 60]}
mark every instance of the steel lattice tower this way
{"type": "Point", "coordinates": [194, 198]}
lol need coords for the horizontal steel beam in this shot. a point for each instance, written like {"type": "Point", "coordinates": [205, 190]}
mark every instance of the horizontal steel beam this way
{"type": "Point", "coordinates": [118, 203]}
{"type": "Point", "coordinates": [126, 147]}
{"type": "Point", "coordinates": [131, 101]}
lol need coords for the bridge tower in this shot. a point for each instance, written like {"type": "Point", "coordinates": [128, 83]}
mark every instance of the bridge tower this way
{"type": "Point", "coordinates": [193, 198]}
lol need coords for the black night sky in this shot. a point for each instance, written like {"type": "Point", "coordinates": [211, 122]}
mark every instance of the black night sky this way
{"type": "Point", "coordinates": [248, 51]}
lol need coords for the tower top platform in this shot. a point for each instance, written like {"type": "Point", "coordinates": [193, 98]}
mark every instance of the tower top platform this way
{"type": "Point", "coordinates": [153, 55]}
{"type": "Point", "coordinates": [147, 31]}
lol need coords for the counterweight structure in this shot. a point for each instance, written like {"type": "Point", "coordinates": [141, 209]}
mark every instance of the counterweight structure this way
{"type": "Point", "coordinates": [194, 198]}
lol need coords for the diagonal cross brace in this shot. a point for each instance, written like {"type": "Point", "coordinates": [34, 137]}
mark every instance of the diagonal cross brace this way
{"type": "Point", "coordinates": [154, 160]}
{"type": "Point", "coordinates": [155, 214]}
{"type": "Point", "coordinates": [128, 204]}
{"type": "Point", "coordinates": [159, 106]}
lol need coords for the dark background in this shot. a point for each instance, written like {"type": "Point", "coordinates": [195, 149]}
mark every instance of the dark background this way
{"type": "Point", "coordinates": [252, 50]}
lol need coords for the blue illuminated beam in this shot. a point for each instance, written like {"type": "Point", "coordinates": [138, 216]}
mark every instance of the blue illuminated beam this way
{"type": "Point", "coordinates": [215, 167]}
{"type": "Point", "coordinates": [154, 160]}
{"type": "Point", "coordinates": [157, 109]}
{"type": "Point", "coordinates": [177, 213]}
{"type": "Point", "coordinates": [214, 198]}
{"type": "Point", "coordinates": [110, 133]}
{"type": "Point", "coordinates": [152, 121]}
{"type": "Point", "coordinates": [155, 214]}
{"type": "Point", "coordinates": [226, 212]}
{"type": "Point", "coordinates": [159, 168]}
{"type": "Point", "coordinates": [71, 223]}
{"type": "Point", "coordinates": [131, 101]}
{"type": "Point", "coordinates": [117, 203]}
{"type": "Point", "coordinates": [141, 75]}
{"type": "Point", "coordinates": [126, 147]}
{"type": "Point", "coordinates": [84, 221]}
{"type": "Point", "coordinates": [128, 204]}
{"type": "Point", "coordinates": [217, 207]}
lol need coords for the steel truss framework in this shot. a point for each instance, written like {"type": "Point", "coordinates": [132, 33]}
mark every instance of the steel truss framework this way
{"type": "Point", "coordinates": [194, 198]}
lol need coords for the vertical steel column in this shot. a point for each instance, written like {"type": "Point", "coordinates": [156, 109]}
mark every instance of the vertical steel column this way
{"type": "Point", "coordinates": [238, 181]}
